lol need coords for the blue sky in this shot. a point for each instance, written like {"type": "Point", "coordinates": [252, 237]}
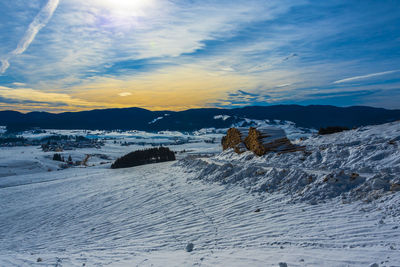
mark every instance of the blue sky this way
{"type": "Point", "coordinates": [60, 55]}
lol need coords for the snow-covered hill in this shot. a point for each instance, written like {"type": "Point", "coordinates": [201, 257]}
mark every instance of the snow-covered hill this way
{"type": "Point", "coordinates": [331, 206]}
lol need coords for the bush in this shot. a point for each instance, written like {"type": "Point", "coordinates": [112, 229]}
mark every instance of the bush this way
{"type": "Point", "coordinates": [332, 129]}
{"type": "Point", "coordinates": [141, 157]}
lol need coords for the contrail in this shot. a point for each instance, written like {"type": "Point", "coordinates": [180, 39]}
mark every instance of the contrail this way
{"type": "Point", "coordinates": [365, 76]}
{"type": "Point", "coordinates": [41, 19]}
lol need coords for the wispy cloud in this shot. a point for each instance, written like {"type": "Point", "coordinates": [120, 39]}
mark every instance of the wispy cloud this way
{"type": "Point", "coordinates": [4, 65]}
{"type": "Point", "coordinates": [85, 37]}
{"type": "Point", "coordinates": [362, 77]}
{"type": "Point", "coordinates": [41, 19]}
{"type": "Point", "coordinates": [18, 84]}
{"type": "Point", "coordinates": [283, 85]}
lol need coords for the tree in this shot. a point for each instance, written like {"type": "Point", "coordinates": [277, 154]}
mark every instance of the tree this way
{"type": "Point", "coordinates": [57, 157]}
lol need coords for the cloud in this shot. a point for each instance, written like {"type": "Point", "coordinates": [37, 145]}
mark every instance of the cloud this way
{"type": "Point", "coordinates": [283, 85]}
{"type": "Point", "coordinates": [362, 77]}
{"type": "Point", "coordinates": [4, 100]}
{"type": "Point", "coordinates": [29, 96]}
{"type": "Point", "coordinates": [41, 19]}
{"type": "Point", "coordinates": [18, 84]}
{"type": "Point", "coordinates": [342, 93]}
{"type": "Point", "coordinates": [93, 34]}
{"type": "Point", "coordinates": [246, 93]}
{"type": "Point", "coordinates": [4, 65]}
{"type": "Point", "coordinates": [125, 94]}
{"type": "Point", "coordinates": [243, 98]}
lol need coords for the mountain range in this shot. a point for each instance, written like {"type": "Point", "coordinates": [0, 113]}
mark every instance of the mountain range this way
{"type": "Point", "coordinates": [313, 116]}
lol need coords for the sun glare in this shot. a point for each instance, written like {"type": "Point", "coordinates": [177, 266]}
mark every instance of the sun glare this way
{"type": "Point", "coordinates": [126, 8]}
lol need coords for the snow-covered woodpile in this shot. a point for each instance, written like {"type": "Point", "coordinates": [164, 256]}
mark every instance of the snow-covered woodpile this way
{"type": "Point", "coordinates": [260, 141]}
{"type": "Point", "coordinates": [235, 139]}
{"type": "Point", "coordinates": [269, 139]}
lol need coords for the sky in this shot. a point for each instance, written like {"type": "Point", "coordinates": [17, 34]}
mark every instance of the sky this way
{"type": "Point", "coordinates": [71, 55]}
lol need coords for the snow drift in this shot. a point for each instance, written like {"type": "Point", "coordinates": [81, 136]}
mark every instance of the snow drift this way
{"type": "Point", "coordinates": [359, 164]}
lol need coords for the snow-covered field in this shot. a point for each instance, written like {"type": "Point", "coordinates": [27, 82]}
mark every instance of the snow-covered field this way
{"type": "Point", "coordinates": [335, 205]}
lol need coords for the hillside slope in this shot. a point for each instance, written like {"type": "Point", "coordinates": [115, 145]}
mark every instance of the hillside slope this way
{"type": "Point", "coordinates": [236, 210]}
{"type": "Point", "coordinates": [146, 216]}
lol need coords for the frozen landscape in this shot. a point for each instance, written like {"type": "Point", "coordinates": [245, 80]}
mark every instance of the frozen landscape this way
{"type": "Point", "coordinates": [199, 133]}
{"type": "Point", "coordinates": [335, 204]}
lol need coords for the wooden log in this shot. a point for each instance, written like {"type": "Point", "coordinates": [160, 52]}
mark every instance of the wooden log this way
{"type": "Point", "coordinates": [235, 139]}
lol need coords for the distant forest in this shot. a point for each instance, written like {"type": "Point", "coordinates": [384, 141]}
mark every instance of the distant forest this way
{"type": "Point", "coordinates": [146, 156]}
{"type": "Point", "coordinates": [313, 116]}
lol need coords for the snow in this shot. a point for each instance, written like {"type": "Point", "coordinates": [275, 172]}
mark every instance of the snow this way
{"type": "Point", "coordinates": [292, 131]}
{"type": "Point", "coordinates": [359, 164]}
{"type": "Point", "coordinates": [271, 134]}
{"type": "Point", "coordinates": [112, 217]}
{"type": "Point", "coordinates": [221, 117]}
{"type": "Point", "coordinates": [149, 215]}
{"type": "Point", "coordinates": [156, 119]}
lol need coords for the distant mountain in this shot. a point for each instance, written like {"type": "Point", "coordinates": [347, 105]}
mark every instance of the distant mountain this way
{"type": "Point", "coordinates": [314, 116]}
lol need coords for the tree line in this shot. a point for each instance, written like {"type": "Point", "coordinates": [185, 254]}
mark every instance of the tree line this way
{"type": "Point", "coordinates": [146, 156]}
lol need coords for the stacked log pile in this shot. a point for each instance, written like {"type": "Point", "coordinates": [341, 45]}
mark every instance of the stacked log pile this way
{"type": "Point", "coordinates": [260, 141]}
{"type": "Point", "coordinates": [235, 139]}
{"type": "Point", "coordinates": [269, 139]}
